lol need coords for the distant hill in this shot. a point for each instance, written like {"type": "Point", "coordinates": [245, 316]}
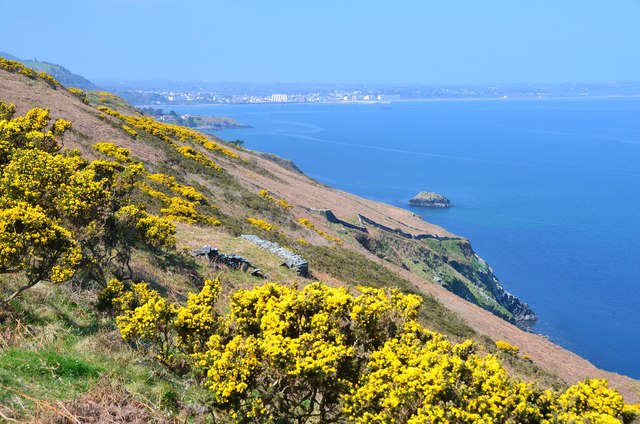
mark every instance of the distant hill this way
{"type": "Point", "coordinates": [62, 74]}
{"type": "Point", "coordinates": [9, 56]}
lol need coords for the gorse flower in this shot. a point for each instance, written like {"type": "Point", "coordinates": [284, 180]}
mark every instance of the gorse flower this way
{"type": "Point", "coordinates": [293, 354]}
{"type": "Point", "coordinates": [61, 214]}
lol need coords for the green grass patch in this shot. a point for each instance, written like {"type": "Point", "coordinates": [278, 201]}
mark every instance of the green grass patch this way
{"type": "Point", "coordinates": [45, 373]}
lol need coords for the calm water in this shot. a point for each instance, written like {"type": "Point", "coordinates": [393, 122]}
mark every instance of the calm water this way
{"type": "Point", "coordinates": [548, 192]}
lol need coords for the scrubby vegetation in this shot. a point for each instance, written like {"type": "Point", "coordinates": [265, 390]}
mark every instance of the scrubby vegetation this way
{"type": "Point", "coordinates": [307, 223]}
{"type": "Point", "coordinates": [140, 329]}
{"type": "Point", "coordinates": [260, 223]}
{"type": "Point", "coordinates": [62, 215]}
{"type": "Point", "coordinates": [170, 132]}
{"type": "Point", "coordinates": [319, 353]}
{"type": "Point", "coordinates": [280, 202]}
{"type": "Point", "coordinates": [17, 67]}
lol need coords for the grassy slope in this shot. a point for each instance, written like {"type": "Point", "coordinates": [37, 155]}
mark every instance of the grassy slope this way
{"type": "Point", "coordinates": [56, 348]}
{"type": "Point", "coordinates": [60, 73]}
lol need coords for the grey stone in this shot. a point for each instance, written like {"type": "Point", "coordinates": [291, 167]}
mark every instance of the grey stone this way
{"type": "Point", "coordinates": [292, 260]}
{"type": "Point", "coordinates": [233, 261]}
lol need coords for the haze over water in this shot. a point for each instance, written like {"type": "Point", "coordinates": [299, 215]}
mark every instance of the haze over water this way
{"type": "Point", "coordinates": [547, 191]}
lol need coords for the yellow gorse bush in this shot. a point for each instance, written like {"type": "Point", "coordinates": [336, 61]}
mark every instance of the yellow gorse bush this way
{"type": "Point", "coordinates": [191, 153]}
{"type": "Point", "coordinates": [183, 190]}
{"type": "Point", "coordinates": [178, 208]}
{"type": "Point", "coordinates": [281, 202]}
{"type": "Point", "coordinates": [133, 133]}
{"type": "Point", "coordinates": [320, 354]}
{"type": "Point", "coordinates": [17, 67]}
{"type": "Point", "coordinates": [171, 133]}
{"type": "Point", "coordinates": [506, 347]}
{"type": "Point", "coordinates": [156, 231]}
{"type": "Point", "coordinates": [306, 222]}
{"type": "Point", "coordinates": [120, 154]}
{"type": "Point", "coordinates": [61, 214]}
{"type": "Point", "coordinates": [592, 401]}
{"type": "Point", "coordinates": [79, 93]}
{"type": "Point", "coordinates": [260, 223]}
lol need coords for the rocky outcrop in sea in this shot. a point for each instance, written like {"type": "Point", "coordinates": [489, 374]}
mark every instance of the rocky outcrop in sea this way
{"type": "Point", "coordinates": [429, 199]}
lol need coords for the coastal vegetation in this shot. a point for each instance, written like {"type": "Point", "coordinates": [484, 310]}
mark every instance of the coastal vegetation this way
{"type": "Point", "coordinates": [63, 215]}
{"type": "Point", "coordinates": [104, 309]}
{"type": "Point", "coordinates": [307, 223]}
{"type": "Point", "coordinates": [211, 123]}
{"type": "Point", "coordinates": [260, 223]}
{"type": "Point", "coordinates": [320, 353]}
{"type": "Point", "coordinates": [17, 67]}
{"type": "Point", "coordinates": [281, 202]}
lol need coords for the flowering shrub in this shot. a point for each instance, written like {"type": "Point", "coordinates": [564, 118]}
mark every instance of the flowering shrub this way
{"type": "Point", "coordinates": [61, 214]}
{"type": "Point", "coordinates": [184, 190]}
{"type": "Point", "coordinates": [49, 79]}
{"type": "Point", "coordinates": [307, 223]}
{"type": "Point", "coordinates": [199, 320]}
{"type": "Point", "coordinates": [507, 348]}
{"type": "Point", "coordinates": [119, 153]}
{"type": "Point", "coordinates": [592, 401]}
{"type": "Point", "coordinates": [34, 242]}
{"type": "Point", "coordinates": [189, 152]}
{"type": "Point", "coordinates": [319, 354]}
{"type": "Point", "coordinates": [181, 210]}
{"type": "Point", "coordinates": [260, 224]}
{"type": "Point", "coordinates": [17, 67]}
{"type": "Point", "coordinates": [169, 132]}
{"type": "Point", "coordinates": [281, 202]}
{"type": "Point", "coordinates": [154, 193]}
{"type": "Point", "coordinates": [79, 94]}
{"type": "Point", "coordinates": [177, 208]}
{"type": "Point", "coordinates": [154, 230]}
{"type": "Point", "coordinates": [166, 328]}
{"type": "Point", "coordinates": [133, 133]}
{"type": "Point", "coordinates": [147, 317]}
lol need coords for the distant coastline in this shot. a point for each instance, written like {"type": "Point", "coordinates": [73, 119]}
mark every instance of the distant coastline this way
{"type": "Point", "coordinates": [380, 102]}
{"type": "Point", "coordinates": [527, 227]}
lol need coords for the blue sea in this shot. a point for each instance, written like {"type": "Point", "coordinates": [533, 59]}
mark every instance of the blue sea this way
{"type": "Point", "coordinates": [547, 191]}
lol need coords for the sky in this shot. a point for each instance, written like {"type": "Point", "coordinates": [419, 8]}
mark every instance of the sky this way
{"type": "Point", "coordinates": [327, 41]}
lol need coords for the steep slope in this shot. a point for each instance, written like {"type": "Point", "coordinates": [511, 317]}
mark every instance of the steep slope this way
{"type": "Point", "coordinates": [338, 249]}
{"type": "Point", "coordinates": [8, 56]}
{"type": "Point", "coordinates": [62, 74]}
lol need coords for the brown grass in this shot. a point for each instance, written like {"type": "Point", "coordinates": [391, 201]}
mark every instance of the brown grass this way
{"type": "Point", "coordinates": [105, 404]}
{"type": "Point", "coordinates": [305, 194]}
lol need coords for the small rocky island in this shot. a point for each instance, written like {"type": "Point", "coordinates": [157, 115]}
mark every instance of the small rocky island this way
{"type": "Point", "coordinates": [429, 199]}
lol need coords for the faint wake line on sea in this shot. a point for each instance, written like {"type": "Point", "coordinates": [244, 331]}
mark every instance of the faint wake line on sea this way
{"type": "Point", "coordinates": [465, 158]}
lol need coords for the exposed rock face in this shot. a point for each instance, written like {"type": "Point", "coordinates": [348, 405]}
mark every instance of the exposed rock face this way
{"type": "Point", "coordinates": [429, 199]}
{"type": "Point", "coordinates": [233, 261]}
{"type": "Point", "coordinates": [483, 277]}
{"type": "Point", "coordinates": [464, 272]}
{"type": "Point", "coordinates": [291, 259]}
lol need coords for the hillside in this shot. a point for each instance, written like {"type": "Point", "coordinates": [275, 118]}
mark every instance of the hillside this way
{"type": "Point", "coordinates": [214, 192]}
{"type": "Point", "coordinates": [62, 74]}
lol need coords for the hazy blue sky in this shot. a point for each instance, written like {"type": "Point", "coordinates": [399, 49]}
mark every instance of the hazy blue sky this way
{"type": "Point", "coordinates": [422, 41]}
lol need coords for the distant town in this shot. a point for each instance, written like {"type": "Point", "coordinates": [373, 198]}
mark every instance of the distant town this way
{"type": "Point", "coordinates": [184, 93]}
{"type": "Point", "coordinates": [179, 98]}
